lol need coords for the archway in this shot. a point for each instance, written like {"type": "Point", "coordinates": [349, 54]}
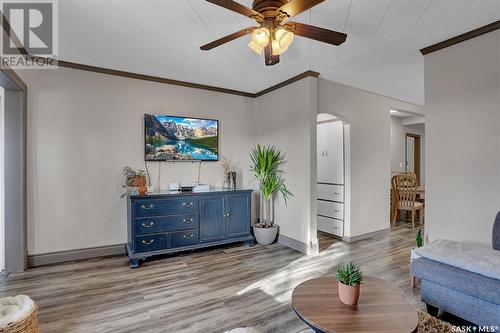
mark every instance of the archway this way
{"type": "Point", "coordinates": [332, 179]}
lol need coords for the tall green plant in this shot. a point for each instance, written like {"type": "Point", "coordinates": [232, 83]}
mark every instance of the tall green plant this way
{"type": "Point", "coordinates": [266, 163]}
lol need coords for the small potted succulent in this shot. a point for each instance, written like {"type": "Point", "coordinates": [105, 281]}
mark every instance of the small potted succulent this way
{"type": "Point", "coordinates": [266, 168]}
{"type": "Point", "coordinates": [349, 277]}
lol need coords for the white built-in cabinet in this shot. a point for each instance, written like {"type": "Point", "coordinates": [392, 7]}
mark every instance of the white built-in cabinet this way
{"type": "Point", "coordinates": [330, 181]}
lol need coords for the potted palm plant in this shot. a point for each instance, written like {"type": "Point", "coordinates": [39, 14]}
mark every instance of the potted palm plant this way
{"type": "Point", "coordinates": [349, 278]}
{"type": "Point", "coordinates": [266, 168]}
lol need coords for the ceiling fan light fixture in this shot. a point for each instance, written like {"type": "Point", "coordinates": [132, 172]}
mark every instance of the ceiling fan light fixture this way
{"type": "Point", "coordinates": [256, 48]}
{"type": "Point", "coordinates": [284, 37]}
{"type": "Point", "coordinates": [261, 36]}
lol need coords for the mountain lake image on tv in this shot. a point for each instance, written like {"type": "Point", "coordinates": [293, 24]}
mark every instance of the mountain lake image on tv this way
{"type": "Point", "coordinates": [169, 138]}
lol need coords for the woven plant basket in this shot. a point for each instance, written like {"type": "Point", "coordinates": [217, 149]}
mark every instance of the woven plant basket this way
{"type": "Point", "coordinates": [27, 325]}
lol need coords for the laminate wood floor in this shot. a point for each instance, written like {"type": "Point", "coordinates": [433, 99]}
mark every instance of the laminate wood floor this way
{"type": "Point", "coordinates": [205, 291]}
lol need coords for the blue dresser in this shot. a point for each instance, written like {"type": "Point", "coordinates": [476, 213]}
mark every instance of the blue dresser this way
{"type": "Point", "coordinates": [172, 221]}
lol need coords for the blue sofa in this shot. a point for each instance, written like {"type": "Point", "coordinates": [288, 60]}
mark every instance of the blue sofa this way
{"type": "Point", "coordinates": [471, 296]}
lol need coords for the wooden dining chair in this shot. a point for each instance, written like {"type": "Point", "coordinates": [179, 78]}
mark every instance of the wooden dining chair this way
{"type": "Point", "coordinates": [404, 195]}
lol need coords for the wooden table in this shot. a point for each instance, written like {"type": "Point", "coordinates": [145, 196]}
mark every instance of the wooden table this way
{"type": "Point", "coordinates": [381, 308]}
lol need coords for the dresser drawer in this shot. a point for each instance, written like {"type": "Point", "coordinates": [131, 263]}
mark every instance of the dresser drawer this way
{"type": "Point", "coordinates": [151, 243]}
{"type": "Point", "coordinates": [155, 207]}
{"type": "Point", "coordinates": [331, 209]}
{"type": "Point", "coordinates": [183, 238]}
{"type": "Point", "coordinates": [152, 225]}
{"type": "Point", "coordinates": [331, 226]}
{"type": "Point", "coordinates": [331, 192]}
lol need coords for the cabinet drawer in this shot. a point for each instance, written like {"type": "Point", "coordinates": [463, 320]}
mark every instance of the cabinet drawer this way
{"type": "Point", "coordinates": [331, 209]}
{"type": "Point", "coordinates": [154, 225]}
{"type": "Point", "coordinates": [155, 207]}
{"type": "Point", "coordinates": [184, 238]}
{"type": "Point", "coordinates": [331, 226]}
{"type": "Point", "coordinates": [331, 192]}
{"type": "Point", "coordinates": [151, 243]}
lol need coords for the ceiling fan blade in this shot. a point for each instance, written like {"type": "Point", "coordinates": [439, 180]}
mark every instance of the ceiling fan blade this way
{"type": "Point", "coordinates": [227, 38]}
{"type": "Point", "coordinates": [238, 8]}
{"type": "Point", "coordinates": [295, 7]}
{"type": "Point", "coordinates": [270, 59]}
{"type": "Point", "coordinates": [316, 33]}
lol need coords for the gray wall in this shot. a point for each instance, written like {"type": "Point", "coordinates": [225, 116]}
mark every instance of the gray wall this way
{"type": "Point", "coordinates": [462, 84]}
{"type": "Point", "coordinates": [14, 182]}
{"type": "Point", "coordinates": [369, 155]}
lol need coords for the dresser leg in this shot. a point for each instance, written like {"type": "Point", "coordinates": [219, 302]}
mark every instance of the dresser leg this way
{"type": "Point", "coordinates": [134, 263]}
{"type": "Point", "coordinates": [250, 242]}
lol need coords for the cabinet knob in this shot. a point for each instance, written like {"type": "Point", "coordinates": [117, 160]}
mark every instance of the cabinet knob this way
{"type": "Point", "coordinates": [188, 221]}
{"type": "Point", "coordinates": [145, 242]}
{"type": "Point", "coordinates": [227, 215]}
{"type": "Point", "coordinates": [149, 225]}
{"type": "Point", "coordinates": [151, 206]}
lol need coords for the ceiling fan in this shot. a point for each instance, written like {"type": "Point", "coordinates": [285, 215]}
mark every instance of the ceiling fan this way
{"type": "Point", "coordinates": [274, 32]}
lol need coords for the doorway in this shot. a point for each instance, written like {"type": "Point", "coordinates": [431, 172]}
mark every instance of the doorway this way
{"type": "Point", "coordinates": [412, 154]}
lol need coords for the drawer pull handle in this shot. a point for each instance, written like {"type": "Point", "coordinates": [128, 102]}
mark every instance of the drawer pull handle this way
{"type": "Point", "coordinates": [145, 242]}
{"type": "Point", "coordinates": [151, 206]}
{"type": "Point", "coordinates": [188, 237]}
{"type": "Point", "coordinates": [337, 193]}
{"type": "Point", "coordinates": [227, 215]}
{"type": "Point", "coordinates": [188, 221]}
{"type": "Point", "coordinates": [149, 225]}
{"type": "Point", "coordinates": [336, 211]}
{"type": "Point", "coordinates": [188, 204]}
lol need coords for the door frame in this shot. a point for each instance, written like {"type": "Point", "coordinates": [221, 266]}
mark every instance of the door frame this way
{"type": "Point", "coordinates": [416, 153]}
{"type": "Point", "coordinates": [18, 234]}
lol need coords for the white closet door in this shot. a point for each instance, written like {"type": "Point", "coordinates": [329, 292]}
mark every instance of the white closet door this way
{"type": "Point", "coordinates": [321, 157]}
{"type": "Point", "coordinates": [331, 152]}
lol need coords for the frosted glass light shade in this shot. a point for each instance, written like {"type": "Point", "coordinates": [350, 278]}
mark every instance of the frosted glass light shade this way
{"type": "Point", "coordinates": [260, 37]}
{"type": "Point", "coordinates": [256, 48]}
{"type": "Point", "coordinates": [277, 50]}
{"type": "Point", "coordinates": [284, 37]}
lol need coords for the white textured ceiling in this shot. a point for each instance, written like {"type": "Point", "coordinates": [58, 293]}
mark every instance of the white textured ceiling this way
{"type": "Point", "coordinates": [162, 38]}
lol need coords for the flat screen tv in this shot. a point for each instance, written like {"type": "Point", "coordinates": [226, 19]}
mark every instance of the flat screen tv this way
{"type": "Point", "coordinates": [171, 138]}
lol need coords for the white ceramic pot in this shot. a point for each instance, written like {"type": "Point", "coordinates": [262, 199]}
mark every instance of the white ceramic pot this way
{"type": "Point", "coordinates": [265, 236]}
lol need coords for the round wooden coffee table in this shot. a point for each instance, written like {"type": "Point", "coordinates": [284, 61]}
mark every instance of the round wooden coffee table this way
{"type": "Point", "coordinates": [381, 308]}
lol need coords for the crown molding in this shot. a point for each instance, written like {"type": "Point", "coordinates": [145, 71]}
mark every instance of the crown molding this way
{"type": "Point", "coordinates": [130, 75]}
{"type": "Point", "coordinates": [461, 38]}
{"type": "Point", "coordinates": [287, 82]}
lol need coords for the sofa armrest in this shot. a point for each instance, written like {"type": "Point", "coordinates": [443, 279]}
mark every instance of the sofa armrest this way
{"type": "Point", "coordinates": [496, 233]}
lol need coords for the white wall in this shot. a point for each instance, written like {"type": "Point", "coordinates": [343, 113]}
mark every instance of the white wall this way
{"type": "Point", "coordinates": [286, 118]}
{"type": "Point", "coordinates": [84, 127]}
{"type": "Point", "coordinates": [462, 88]}
{"type": "Point", "coordinates": [370, 151]}
{"type": "Point", "coordinates": [398, 141]}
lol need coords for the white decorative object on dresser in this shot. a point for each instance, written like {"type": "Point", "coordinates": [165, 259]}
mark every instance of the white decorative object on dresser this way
{"type": "Point", "coordinates": [330, 181]}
